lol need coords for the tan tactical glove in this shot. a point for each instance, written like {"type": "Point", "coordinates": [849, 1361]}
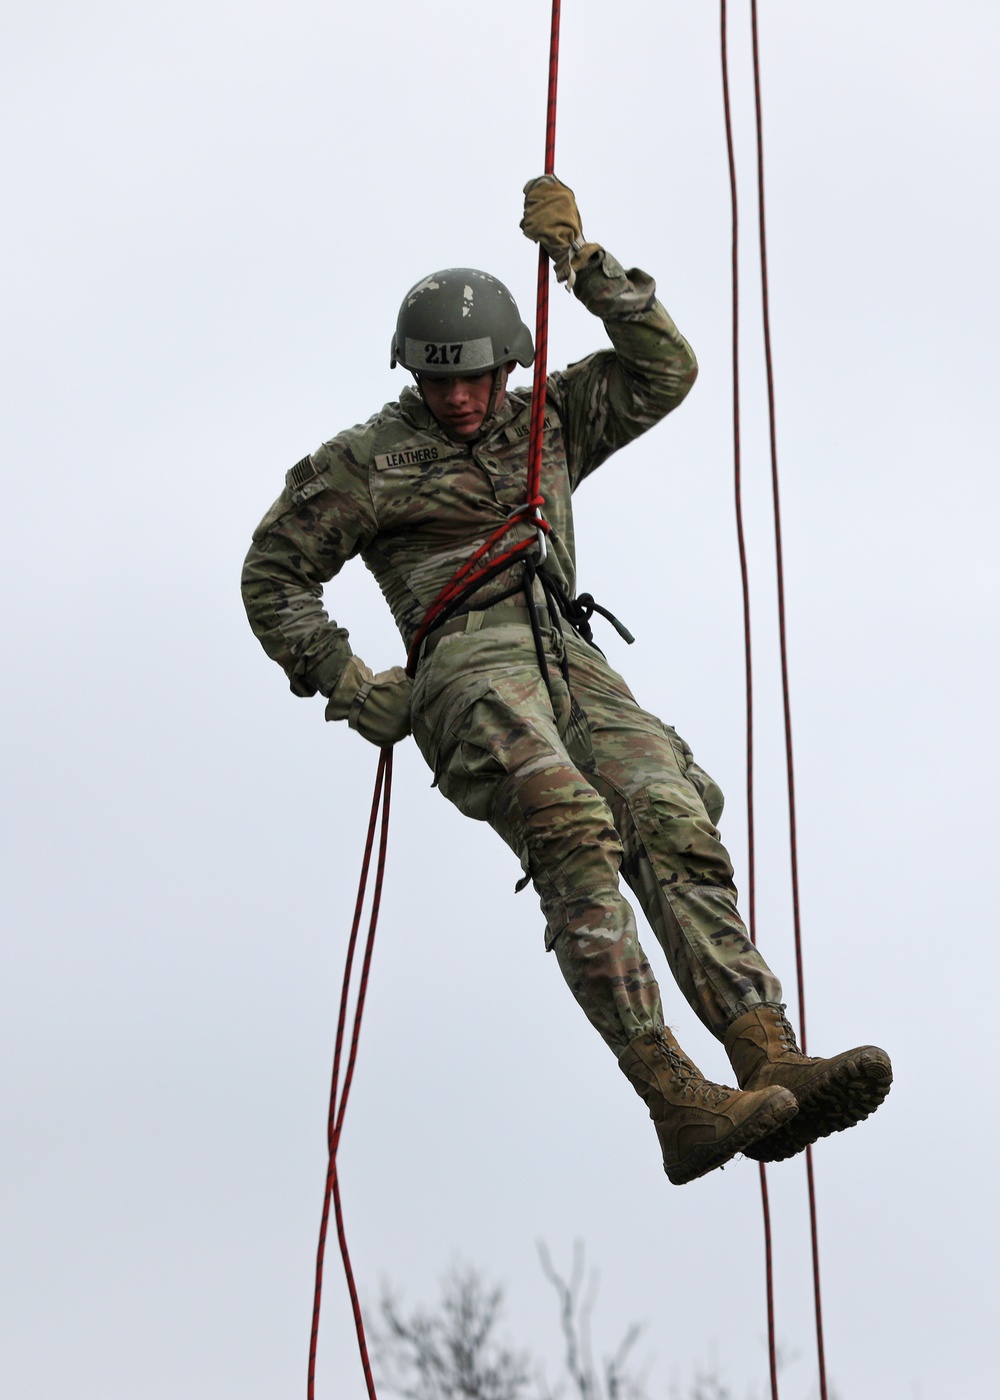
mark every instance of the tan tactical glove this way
{"type": "Point", "coordinates": [377, 706]}
{"type": "Point", "coordinates": [552, 219]}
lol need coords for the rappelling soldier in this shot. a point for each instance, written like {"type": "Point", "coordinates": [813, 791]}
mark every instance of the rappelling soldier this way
{"type": "Point", "coordinates": [522, 720]}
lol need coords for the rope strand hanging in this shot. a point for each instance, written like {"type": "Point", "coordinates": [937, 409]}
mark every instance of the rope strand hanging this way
{"type": "Point", "coordinates": [338, 1101]}
{"type": "Point", "coordinates": [785, 689]}
{"type": "Point", "coordinates": [747, 648]}
{"type": "Point", "coordinates": [779, 563]}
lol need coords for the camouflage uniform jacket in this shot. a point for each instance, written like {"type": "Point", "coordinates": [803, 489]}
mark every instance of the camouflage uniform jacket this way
{"type": "Point", "coordinates": [415, 504]}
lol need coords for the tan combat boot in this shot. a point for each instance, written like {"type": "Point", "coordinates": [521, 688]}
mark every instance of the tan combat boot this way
{"type": "Point", "coordinates": [700, 1125]}
{"type": "Point", "coordinates": [831, 1094]}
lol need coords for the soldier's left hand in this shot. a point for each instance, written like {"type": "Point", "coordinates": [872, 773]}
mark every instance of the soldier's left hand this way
{"type": "Point", "coordinates": [552, 219]}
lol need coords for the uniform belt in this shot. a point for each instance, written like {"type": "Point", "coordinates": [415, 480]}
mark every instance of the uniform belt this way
{"type": "Point", "coordinates": [501, 615]}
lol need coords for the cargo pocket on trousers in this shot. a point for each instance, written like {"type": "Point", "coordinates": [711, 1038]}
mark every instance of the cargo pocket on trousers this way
{"type": "Point", "coordinates": [476, 782]}
{"type": "Point", "coordinates": [471, 778]}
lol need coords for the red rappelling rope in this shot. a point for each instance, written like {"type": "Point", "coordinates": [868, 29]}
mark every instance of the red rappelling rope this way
{"type": "Point", "coordinates": [338, 1095]}
{"type": "Point", "coordinates": [466, 577]}
{"type": "Point", "coordinates": [772, 1351]}
{"type": "Point", "coordinates": [786, 702]}
{"type": "Point", "coordinates": [814, 1233]}
{"type": "Point", "coordinates": [542, 301]}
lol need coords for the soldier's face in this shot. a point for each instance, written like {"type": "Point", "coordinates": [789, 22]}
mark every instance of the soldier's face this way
{"type": "Point", "coordinates": [459, 404]}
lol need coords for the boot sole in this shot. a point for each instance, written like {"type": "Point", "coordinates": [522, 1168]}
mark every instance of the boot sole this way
{"type": "Point", "coordinates": [851, 1091]}
{"type": "Point", "coordinates": [771, 1115]}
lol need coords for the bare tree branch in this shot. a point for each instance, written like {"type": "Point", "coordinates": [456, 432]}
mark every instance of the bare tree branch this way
{"type": "Point", "coordinates": [575, 1312]}
{"type": "Point", "coordinates": [450, 1354]}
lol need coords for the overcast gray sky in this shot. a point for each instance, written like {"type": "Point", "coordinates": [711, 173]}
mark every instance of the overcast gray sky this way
{"type": "Point", "coordinates": [211, 213]}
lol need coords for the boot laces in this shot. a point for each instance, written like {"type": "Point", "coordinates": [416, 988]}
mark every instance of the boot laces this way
{"type": "Point", "coordinates": [787, 1033]}
{"type": "Point", "coordinates": [690, 1083]}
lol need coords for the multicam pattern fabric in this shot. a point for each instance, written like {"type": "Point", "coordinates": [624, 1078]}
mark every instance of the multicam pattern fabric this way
{"type": "Point", "coordinates": [582, 786]}
{"type": "Point", "coordinates": [581, 783]}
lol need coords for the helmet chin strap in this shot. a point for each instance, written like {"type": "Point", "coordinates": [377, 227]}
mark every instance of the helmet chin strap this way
{"type": "Point", "coordinates": [497, 394]}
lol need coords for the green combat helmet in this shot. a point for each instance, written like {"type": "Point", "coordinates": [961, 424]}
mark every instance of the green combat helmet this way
{"type": "Point", "coordinates": [459, 322]}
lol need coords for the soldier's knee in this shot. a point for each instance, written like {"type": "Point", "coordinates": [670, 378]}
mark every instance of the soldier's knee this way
{"type": "Point", "coordinates": [690, 846]}
{"type": "Point", "coordinates": [664, 820]}
{"type": "Point", "coordinates": [709, 791]}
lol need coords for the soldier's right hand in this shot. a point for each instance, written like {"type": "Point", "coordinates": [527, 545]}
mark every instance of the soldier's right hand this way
{"type": "Point", "coordinates": [377, 705]}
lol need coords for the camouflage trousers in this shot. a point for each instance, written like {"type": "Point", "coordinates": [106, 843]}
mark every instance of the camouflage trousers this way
{"type": "Point", "coordinates": [582, 785]}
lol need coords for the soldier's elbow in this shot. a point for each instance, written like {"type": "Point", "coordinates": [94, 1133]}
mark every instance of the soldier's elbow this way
{"type": "Point", "coordinates": [687, 376]}
{"type": "Point", "coordinates": [691, 373]}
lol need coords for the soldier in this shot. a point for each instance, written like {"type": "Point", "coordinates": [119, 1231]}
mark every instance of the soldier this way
{"type": "Point", "coordinates": [520, 717]}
